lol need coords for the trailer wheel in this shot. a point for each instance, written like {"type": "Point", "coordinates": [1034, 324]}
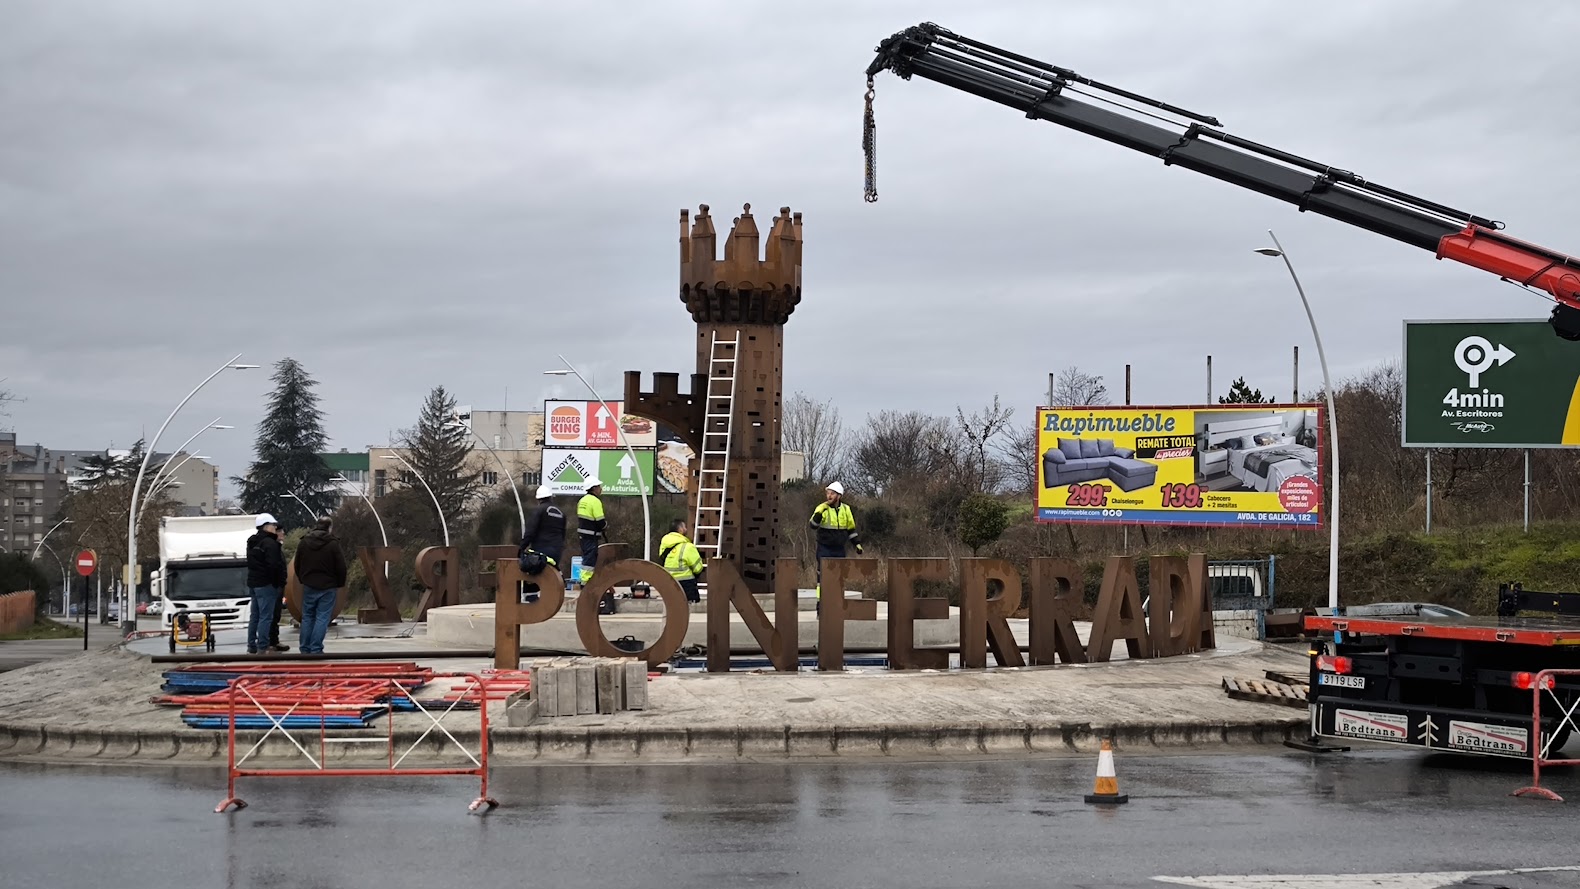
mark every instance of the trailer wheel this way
{"type": "Point", "coordinates": [1558, 740]}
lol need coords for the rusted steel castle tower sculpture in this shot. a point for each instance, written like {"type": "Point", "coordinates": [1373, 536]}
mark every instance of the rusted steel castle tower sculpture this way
{"type": "Point", "coordinates": [731, 416]}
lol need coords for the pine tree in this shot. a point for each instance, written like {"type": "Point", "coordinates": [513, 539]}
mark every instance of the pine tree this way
{"type": "Point", "coordinates": [440, 449]}
{"type": "Point", "coordinates": [287, 460]}
{"type": "Point", "coordinates": [103, 469]}
{"type": "Point", "coordinates": [1241, 393]}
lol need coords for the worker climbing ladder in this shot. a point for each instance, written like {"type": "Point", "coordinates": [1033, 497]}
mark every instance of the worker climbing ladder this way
{"type": "Point", "coordinates": [717, 426]}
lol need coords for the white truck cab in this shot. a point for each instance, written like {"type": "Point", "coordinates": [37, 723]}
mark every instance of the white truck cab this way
{"type": "Point", "coordinates": [203, 567]}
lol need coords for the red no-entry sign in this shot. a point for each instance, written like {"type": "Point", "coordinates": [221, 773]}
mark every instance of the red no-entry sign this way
{"type": "Point", "coordinates": [87, 560]}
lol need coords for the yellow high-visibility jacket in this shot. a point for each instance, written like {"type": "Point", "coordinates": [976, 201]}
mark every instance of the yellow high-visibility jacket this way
{"type": "Point", "coordinates": [680, 556]}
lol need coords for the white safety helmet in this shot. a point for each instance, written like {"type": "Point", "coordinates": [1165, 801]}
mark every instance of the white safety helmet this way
{"type": "Point", "coordinates": [544, 492]}
{"type": "Point", "coordinates": [265, 519]}
{"type": "Point", "coordinates": [836, 487]}
{"type": "Point", "coordinates": [592, 483]}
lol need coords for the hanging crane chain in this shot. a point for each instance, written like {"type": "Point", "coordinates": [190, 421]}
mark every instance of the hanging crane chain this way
{"type": "Point", "coordinates": [869, 145]}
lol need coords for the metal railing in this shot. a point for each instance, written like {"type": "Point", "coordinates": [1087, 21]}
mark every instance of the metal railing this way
{"type": "Point", "coordinates": [1546, 681]}
{"type": "Point", "coordinates": [318, 704]}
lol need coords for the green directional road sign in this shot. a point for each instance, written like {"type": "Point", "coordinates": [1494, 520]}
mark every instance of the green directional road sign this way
{"type": "Point", "coordinates": [566, 471]}
{"type": "Point", "coordinates": [1490, 384]}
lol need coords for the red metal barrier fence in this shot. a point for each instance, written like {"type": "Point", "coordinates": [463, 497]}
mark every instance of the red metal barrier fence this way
{"type": "Point", "coordinates": [1546, 682]}
{"type": "Point", "coordinates": [316, 714]}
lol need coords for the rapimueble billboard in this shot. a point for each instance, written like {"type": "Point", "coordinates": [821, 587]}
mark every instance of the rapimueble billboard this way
{"type": "Point", "coordinates": [1241, 464]}
{"type": "Point", "coordinates": [1489, 384]}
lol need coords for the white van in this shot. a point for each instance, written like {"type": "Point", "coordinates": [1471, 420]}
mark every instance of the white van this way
{"type": "Point", "coordinates": [1243, 588]}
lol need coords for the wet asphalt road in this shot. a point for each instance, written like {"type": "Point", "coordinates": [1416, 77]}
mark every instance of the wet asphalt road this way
{"type": "Point", "coordinates": [824, 825]}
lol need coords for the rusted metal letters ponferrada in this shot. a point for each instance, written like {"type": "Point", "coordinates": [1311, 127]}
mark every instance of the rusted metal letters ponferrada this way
{"type": "Point", "coordinates": [1178, 619]}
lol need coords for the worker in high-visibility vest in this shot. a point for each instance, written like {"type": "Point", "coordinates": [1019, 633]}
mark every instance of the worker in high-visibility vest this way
{"type": "Point", "coordinates": [836, 528]}
{"type": "Point", "coordinates": [590, 526]}
{"type": "Point", "coordinates": [680, 558]}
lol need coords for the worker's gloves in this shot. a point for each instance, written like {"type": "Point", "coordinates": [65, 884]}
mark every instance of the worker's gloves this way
{"type": "Point", "coordinates": [858, 549]}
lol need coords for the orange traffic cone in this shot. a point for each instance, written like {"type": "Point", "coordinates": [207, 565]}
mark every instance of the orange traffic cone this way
{"type": "Point", "coordinates": [1106, 789]}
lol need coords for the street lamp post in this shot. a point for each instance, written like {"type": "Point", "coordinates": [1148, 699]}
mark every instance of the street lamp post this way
{"type": "Point", "coordinates": [1333, 425]}
{"type": "Point", "coordinates": [521, 512]}
{"type": "Point", "coordinates": [166, 468]}
{"type": "Point", "coordinates": [437, 508]}
{"type": "Point", "coordinates": [371, 508]}
{"type": "Point", "coordinates": [34, 556]}
{"type": "Point", "coordinates": [159, 484]}
{"type": "Point", "coordinates": [130, 626]}
{"type": "Point", "coordinates": [641, 483]}
{"type": "Point", "coordinates": [65, 591]}
{"type": "Point", "coordinates": [311, 516]}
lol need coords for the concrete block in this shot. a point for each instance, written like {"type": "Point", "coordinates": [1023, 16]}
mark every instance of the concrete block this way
{"type": "Point", "coordinates": [522, 712]}
{"type": "Point", "coordinates": [713, 742]}
{"type": "Point", "coordinates": [84, 742]}
{"type": "Point", "coordinates": [810, 740]}
{"type": "Point", "coordinates": [613, 744]}
{"type": "Point", "coordinates": [565, 697]}
{"type": "Point", "coordinates": [1047, 738]}
{"type": "Point", "coordinates": [157, 745]}
{"type": "Point", "coordinates": [610, 686]}
{"type": "Point", "coordinates": [765, 741]}
{"type": "Point", "coordinates": [121, 744]}
{"type": "Point", "coordinates": [635, 685]}
{"type": "Point", "coordinates": [511, 744]}
{"type": "Point", "coordinates": [860, 740]}
{"type": "Point", "coordinates": [586, 673]}
{"type": "Point", "coordinates": [1000, 738]}
{"type": "Point", "coordinates": [562, 744]}
{"type": "Point", "coordinates": [663, 744]}
{"type": "Point", "coordinates": [545, 686]}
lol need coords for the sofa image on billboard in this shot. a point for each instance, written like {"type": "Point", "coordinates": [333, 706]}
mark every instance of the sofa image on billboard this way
{"type": "Point", "coordinates": [1089, 460]}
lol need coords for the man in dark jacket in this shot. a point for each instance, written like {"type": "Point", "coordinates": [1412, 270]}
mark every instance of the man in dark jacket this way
{"type": "Point", "coordinates": [544, 533]}
{"type": "Point", "coordinates": [265, 581]}
{"type": "Point", "coordinates": [321, 568]}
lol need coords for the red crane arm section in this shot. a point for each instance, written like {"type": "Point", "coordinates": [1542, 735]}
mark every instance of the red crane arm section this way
{"type": "Point", "coordinates": [1518, 261]}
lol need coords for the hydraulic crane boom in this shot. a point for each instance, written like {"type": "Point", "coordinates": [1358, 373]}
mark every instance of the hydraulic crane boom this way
{"type": "Point", "coordinates": [1048, 92]}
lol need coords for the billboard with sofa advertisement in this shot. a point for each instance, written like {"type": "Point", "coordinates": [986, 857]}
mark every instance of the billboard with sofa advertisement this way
{"type": "Point", "coordinates": [1239, 464]}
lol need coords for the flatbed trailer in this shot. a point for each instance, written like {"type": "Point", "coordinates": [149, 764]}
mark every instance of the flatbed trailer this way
{"type": "Point", "coordinates": [1461, 684]}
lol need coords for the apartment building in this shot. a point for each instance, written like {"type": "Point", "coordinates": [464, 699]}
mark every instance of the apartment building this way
{"type": "Point", "coordinates": [34, 482]}
{"type": "Point", "coordinates": [187, 478]}
{"type": "Point", "coordinates": [32, 486]}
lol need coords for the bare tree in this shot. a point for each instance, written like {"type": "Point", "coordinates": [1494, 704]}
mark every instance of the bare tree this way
{"type": "Point", "coordinates": [6, 397]}
{"type": "Point", "coordinates": [1017, 450]}
{"type": "Point", "coordinates": [815, 429]}
{"type": "Point", "coordinates": [980, 431]}
{"type": "Point", "coordinates": [896, 447]}
{"type": "Point", "coordinates": [1075, 387]}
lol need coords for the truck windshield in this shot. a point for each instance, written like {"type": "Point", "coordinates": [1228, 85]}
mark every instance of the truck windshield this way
{"type": "Point", "coordinates": [217, 582]}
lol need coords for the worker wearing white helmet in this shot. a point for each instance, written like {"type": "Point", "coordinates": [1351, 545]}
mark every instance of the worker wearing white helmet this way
{"type": "Point", "coordinates": [836, 528]}
{"type": "Point", "coordinates": [266, 578]}
{"type": "Point", "coordinates": [590, 526]}
{"type": "Point", "coordinates": [544, 534]}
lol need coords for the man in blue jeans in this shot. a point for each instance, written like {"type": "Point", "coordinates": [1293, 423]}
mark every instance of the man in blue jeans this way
{"type": "Point", "coordinates": [321, 568]}
{"type": "Point", "coordinates": [265, 582]}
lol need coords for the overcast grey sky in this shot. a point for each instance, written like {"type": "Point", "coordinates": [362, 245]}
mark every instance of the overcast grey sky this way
{"type": "Point", "coordinates": [401, 194]}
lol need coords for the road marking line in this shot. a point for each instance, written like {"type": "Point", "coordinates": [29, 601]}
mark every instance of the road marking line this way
{"type": "Point", "coordinates": [1354, 881]}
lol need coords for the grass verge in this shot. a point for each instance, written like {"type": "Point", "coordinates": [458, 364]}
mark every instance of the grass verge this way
{"type": "Point", "coordinates": [45, 628]}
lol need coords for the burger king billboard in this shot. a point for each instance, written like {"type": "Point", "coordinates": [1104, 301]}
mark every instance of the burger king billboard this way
{"type": "Point", "coordinates": [595, 424]}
